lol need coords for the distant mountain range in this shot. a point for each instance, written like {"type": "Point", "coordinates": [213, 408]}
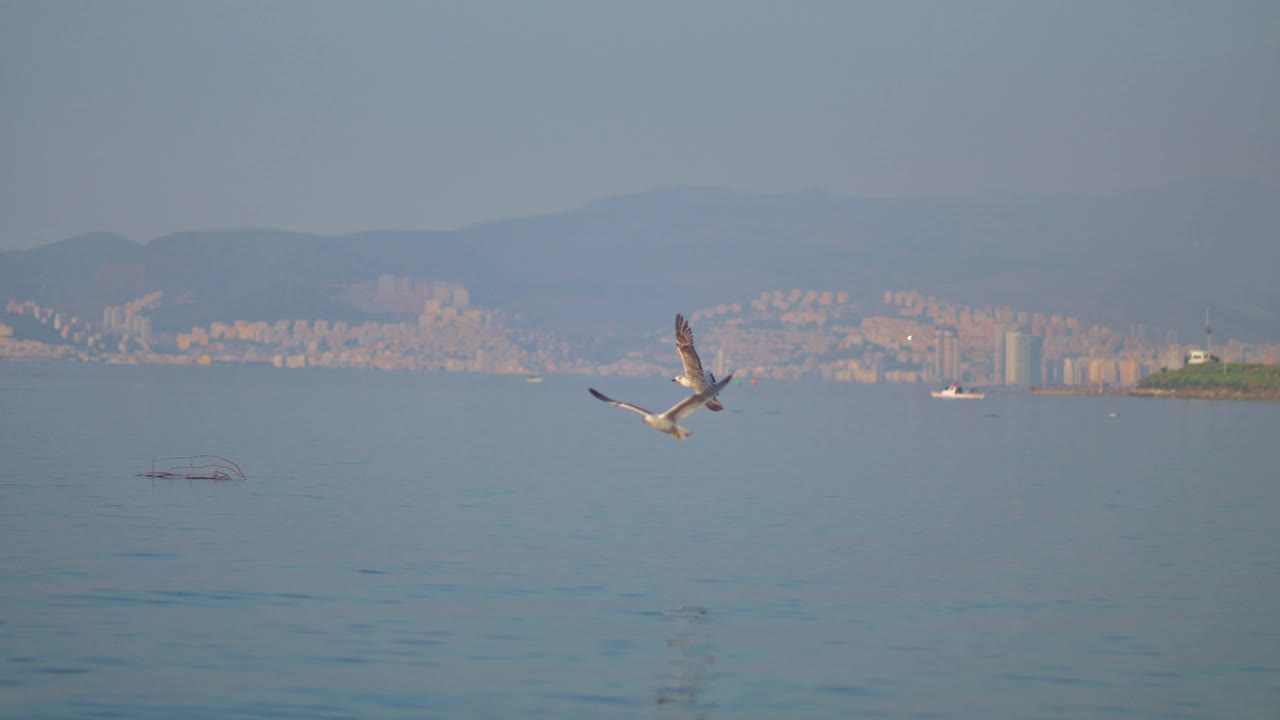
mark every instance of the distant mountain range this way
{"type": "Point", "coordinates": [1158, 257]}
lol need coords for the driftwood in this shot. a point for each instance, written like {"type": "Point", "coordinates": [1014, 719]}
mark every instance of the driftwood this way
{"type": "Point", "coordinates": [220, 469]}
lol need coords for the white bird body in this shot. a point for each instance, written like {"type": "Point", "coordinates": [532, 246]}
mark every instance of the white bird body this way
{"type": "Point", "coordinates": [694, 377]}
{"type": "Point", "coordinates": [669, 421]}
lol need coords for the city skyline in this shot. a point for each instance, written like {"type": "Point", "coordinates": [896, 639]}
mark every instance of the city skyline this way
{"type": "Point", "coordinates": [908, 338]}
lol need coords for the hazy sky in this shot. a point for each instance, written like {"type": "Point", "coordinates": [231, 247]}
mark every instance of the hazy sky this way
{"type": "Point", "coordinates": [145, 118]}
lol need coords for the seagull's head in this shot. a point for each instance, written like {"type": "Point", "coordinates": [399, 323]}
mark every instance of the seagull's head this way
{"type": "Point", "coordinates": [682, 380]}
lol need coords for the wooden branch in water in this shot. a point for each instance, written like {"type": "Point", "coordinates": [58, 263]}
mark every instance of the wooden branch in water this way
{"type": "Point", "coordinates": [223, 469]}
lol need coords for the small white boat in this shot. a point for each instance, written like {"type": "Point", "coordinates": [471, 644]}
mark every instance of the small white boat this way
{"type": "Point", "coordinates": [534, 379]}
{"type": "Point", "coordinates": [955, 391]}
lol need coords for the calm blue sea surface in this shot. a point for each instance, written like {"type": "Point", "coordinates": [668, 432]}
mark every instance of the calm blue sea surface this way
{"type": "Point", "coordinates": [471, 546]}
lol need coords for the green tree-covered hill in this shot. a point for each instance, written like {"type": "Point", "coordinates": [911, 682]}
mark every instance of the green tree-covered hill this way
{"type": "Point", "coordinates": [1217, 380]}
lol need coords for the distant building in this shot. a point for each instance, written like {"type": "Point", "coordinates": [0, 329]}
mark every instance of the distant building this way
{"type": "Point", "coordinates": [947, 356]}
{"type": "Point", "coordinates": [139, 326]}
{"type": "Point", "coordinates": [1170, 356]}
{"type": "Point", "coordinates": [1075, 371]}
{"type": "Point", "coordinates": [1035, 364]}
{"type": "Point", "coordinates": [1103, 372]}
{"type": "Point", "coordinates": [289, 361]}
{"type": "Point", "coordinates": [998, 355]}
{"type": "Point", "coordinates": [112, 318]}
{"type": "Point", "coordinates": [1015, 358]}
{"type": "Point", "coordinates": [1196, 356]}
{"type": "Point", "coordinates": [1023, 359]}
{"type": "Point", "coordinates": [1128, 373]}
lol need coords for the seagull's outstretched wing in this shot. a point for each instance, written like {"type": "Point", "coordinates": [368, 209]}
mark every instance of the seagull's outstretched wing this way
{"type": "Point", "coordinates": [684, 343]}
{"type": "Point", "coordinates": [633, 408]}
{"type": "Point", "coordinates": [692, 363]}
{"type": "Point", "coordinates": [693, 402]}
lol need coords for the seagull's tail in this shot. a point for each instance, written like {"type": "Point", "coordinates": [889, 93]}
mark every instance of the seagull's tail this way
{"type": "Point", "coordinates": [714, 405]}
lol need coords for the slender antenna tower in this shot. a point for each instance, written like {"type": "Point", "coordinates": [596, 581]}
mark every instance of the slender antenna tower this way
{"type": "Point", "coordinates": [1208, 336]}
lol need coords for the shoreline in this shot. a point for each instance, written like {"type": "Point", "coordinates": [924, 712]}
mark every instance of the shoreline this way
{"type": "Point", "coordinates": [1113, 392]}
{"type": "Point", "coordinates": [1207, 394]}
{"type": "Point", "coordinates": [1183, 393]}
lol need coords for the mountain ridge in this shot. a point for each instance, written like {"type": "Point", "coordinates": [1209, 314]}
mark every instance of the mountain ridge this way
{"type": "Point", "coordinates": [1157, 257]}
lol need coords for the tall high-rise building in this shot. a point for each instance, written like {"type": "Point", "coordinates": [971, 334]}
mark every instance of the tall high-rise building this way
{"type": "Point", "coordinates": [947, 356]}
{"type": "Point", "coordinates": [1075, 371]}
{"type": "Point", "coordinates": [1128, 372]}
{"type": "Point", "coordinates": [139, 326]}
{"type": "Point", "coordinates": [998, 354]}
{"type": "Point", "coordinates": [1035, 364]}
{"type": "Point", "coordinates": [113, 317]}
{"type": "Point", "coordinates": [1103, 372]}
{"type": "Point", "coordinates": [1015, 358]}
{"type": "Point", "coordinates": [1023, 358]}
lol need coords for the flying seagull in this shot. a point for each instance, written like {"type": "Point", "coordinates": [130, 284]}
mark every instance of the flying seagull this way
{"type": "Point", "coordinates": [693, 378]}
{"type": "Point", "coordinates": [667, 422]}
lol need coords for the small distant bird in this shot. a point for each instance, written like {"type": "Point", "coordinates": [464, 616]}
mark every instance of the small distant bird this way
{"type": "Point", "coordinates": [693, 378]}
{"type": "Point", "coordinates": [668, 422]}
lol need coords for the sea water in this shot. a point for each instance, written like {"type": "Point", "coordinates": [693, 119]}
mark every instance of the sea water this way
{"type": "Point", "coordinates": [475, 546]}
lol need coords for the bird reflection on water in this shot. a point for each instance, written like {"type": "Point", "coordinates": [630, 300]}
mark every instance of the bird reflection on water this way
{"type": "Point", "coordinates": [682, 691]}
